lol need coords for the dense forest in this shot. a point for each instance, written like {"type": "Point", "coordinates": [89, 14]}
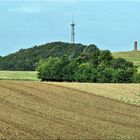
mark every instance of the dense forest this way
{"type": "Point", "coordinates": [27, 59]}
{"type": "Point", "coordinates": [94, 65]}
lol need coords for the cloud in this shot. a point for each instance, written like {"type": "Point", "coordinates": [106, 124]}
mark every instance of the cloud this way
{"type": "Point", "coordinates": [37, 6]}
{"type": "Point", "coordinates": [26, 9]}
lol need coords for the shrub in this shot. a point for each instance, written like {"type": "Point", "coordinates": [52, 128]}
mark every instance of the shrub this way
{"type": "Point", "coordinates": [136, 78]}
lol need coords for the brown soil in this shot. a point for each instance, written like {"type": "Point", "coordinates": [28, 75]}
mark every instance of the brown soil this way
{"type": "Point", "coordinates": [34, 110]}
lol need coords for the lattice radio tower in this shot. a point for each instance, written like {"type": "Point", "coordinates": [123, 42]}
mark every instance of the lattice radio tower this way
{"type": "Point", "coordinates": [73, 31]}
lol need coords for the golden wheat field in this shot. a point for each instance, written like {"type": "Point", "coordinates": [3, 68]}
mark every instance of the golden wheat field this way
{"type": "Point", "coordinates": [35, 110]}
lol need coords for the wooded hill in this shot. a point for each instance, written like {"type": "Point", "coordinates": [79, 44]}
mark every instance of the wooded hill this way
{"type": "Point", "coordinates": [71, 62]}
{"type": "Point", "coordinates": [27, 59]}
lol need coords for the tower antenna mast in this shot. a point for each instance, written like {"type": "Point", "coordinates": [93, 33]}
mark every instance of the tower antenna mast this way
{"type": "Point", "coordinates": [73, 31]}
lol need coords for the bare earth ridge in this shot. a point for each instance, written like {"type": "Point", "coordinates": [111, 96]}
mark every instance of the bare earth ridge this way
{"type": "Point", "coordinates": [35, 110]}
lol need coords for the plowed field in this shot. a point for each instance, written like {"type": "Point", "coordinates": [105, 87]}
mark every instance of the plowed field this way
{"type": "Point", "coordinates": [35, 110]}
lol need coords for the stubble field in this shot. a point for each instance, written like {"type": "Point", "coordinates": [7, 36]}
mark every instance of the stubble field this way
{"type": "Point", "coordinates": [35, 110]}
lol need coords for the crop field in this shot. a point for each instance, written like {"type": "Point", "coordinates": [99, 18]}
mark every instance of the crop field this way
{"type": "Point", "coordinates": [35, 110]}
{"type": "Point", "coordinates": [132, 56]}
{"type": "Point", "coordinates": [128, 93]}
{"type": "Point", "coordinates": [18, 75]}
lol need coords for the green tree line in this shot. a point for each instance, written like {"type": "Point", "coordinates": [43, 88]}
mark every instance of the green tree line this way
{"type": "Point", "coordinates": [90, 66]}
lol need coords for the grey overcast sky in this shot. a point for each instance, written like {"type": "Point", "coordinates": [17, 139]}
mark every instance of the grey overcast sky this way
{"type": "Point", "coordinates": [112, 24]}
